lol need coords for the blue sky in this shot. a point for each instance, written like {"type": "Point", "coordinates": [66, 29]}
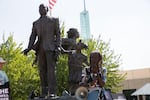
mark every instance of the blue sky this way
{"type": "Point", "coordinates": [126, 23]}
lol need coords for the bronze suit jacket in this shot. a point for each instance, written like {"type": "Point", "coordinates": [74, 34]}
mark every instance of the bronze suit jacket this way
{"type": "Point", "coordinates": [46, 31]}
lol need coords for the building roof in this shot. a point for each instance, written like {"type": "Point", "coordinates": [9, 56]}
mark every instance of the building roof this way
{"type": "Point", "coordinates": [145, 90]}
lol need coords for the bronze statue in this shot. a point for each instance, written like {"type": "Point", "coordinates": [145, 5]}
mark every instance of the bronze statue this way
{"type": "Point", "coordinates": [76, 62]}
{"type": "Point", "coordinates": [76, 59]}
{"type": "Point", "coordinates": [47, 32]}
{"type": "Point", "coordinates": [69, 43]}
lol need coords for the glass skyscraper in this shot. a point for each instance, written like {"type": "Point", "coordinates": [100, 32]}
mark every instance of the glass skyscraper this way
{"type": "Point", "coordinates": [84, 24]}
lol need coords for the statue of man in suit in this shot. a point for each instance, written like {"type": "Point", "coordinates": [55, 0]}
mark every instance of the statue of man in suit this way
{"type": "Point", "coordinates": [45, 40]}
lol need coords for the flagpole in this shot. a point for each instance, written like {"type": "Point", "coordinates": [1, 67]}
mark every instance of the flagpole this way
{"type": "Point", "coordinates": [50, 12]}
{"type": "Point", "coordinates": [51, 5]}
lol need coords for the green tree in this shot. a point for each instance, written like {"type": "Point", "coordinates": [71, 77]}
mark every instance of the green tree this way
{"type": "Point", "coordinates": [22, 75]}
{"type": "Point", "coordinates": [62, 74]}
{"type": "Point", "coordinates": [110, 60]}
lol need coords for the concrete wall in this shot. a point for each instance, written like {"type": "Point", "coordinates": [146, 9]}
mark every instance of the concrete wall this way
{"type": "Point", "coordinates": [135, 83]}
{"type": "Point", "coordinates": [135, 79]}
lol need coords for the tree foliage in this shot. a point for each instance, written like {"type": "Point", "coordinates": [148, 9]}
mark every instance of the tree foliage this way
{"type": "Point", "coordinates": [110, 60]}
{"type": "Point", "coordinates": [23, 77]}
{"type": "Point", "coordinates": [62, 74]}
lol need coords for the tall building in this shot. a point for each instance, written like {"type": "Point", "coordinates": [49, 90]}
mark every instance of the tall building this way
{"type": "Point", "coordinates": [84, 24]}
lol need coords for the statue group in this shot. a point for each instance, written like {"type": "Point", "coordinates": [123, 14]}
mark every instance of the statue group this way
{"type": "Point", "coordinates": [46, 40]}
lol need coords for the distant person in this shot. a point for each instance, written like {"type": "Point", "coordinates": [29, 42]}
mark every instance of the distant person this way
{"type": "Point", "coordinates": [45, 40]}
{"type": "Point", "coordinates": [96, 67]}
{"type": "Point", "coordinates": [4, 82]}
{"type": "Point", "coordinates": [95, 75]}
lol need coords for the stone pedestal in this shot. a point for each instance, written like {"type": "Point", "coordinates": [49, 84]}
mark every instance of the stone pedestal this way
{"type": "Point", "coordinates": [57, 98]}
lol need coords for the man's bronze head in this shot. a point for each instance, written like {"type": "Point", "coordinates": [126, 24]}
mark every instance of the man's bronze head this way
{"type": "Point", "coordinates": [43, 9]}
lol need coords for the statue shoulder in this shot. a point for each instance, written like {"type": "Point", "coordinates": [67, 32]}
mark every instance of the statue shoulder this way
{"type": "Point", "coordinates": [36, 21]}
{"type": "Point", "coordinates": [55, 19]}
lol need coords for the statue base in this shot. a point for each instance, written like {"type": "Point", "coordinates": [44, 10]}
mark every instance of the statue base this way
{"type": "Point", "coordinates": [55, 98]}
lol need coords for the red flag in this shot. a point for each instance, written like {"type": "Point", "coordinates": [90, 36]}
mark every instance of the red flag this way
{"type": "Point", "coordinates": [52, 3]}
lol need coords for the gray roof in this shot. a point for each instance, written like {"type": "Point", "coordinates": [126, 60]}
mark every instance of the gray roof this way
{"type": "Point", "coordinates": [145, 90]}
